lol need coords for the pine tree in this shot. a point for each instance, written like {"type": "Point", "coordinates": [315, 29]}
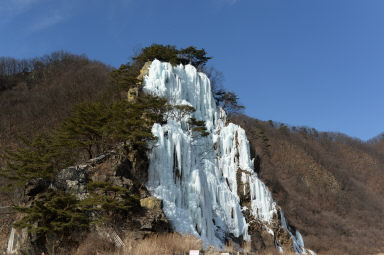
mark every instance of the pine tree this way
{"type": "Point", "coordinates": [165, 53]}
{"type": "Point", "coordinates": [128, 124]}
{"type": "Point", "coordinates": [179, 112]}
{"type": "Point", "coordinates": [228, 101]}
{"type": "Point", "coordinates": [193, 56]}
{"type": "Point", "coordinates": [107, 201]}
{"type": "Point", "coordinates": [54, 212]}
{"type": "Point", "coordinates": [169, 53]}
{"type": "Point", "coordinates": [40, 158]}
{"type": "Point", "coordinates": [131, 123]}
{"type": "Point", "coordinates": [198, 127]}
{"type": "Point", "coordinates": [126, 76]}
{"type": "Point", "coordinates": [85, 128]}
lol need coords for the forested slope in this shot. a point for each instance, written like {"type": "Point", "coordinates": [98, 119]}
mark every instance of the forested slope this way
{"type": "Point", "coordinates": [37, 94]}
{"type": "Point", "coordinates": [330, 186]}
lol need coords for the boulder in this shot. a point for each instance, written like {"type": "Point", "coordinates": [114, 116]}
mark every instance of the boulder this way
{"type": "Point", "coordinates": [73, 180]}
{"type": "Point", "coordinates": [151, 203]}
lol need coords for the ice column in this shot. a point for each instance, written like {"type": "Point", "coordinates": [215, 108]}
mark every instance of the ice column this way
{"type": "Point", "coordinates": [195, 176]}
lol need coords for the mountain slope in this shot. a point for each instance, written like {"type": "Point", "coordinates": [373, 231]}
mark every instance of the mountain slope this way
{"type": "Point", "coordinates": [330, 186]}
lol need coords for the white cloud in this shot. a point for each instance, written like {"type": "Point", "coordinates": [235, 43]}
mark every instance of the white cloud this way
{"type": "Point", "coordinates": [10, 8]}
{"type": "Point", "coordinates": [231, 1]}
{"type": "Point", "coordinates": [222, 3]}
{"type": "Point", "coordinates": [47, 21]}
{"type": "Point", "coordinates": [36, 14]}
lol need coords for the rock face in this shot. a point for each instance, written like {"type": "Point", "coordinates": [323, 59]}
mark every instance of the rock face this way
{"type": "Point", "coordinates": [155, 219]}
{"type": "Point", "coordinates": [151, 203]}
{"type": "Point", "coordinates": [73, 180]}
{"type": "Point", "coordinates": [207, 183]}
{"type": "Point", "coordinates": [134, 91]}
{"type": "Point", "coordinates": [115, 167]}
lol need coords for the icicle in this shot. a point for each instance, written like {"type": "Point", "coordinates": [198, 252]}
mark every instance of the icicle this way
{"type": "Point", "coordinates": [207, 182]}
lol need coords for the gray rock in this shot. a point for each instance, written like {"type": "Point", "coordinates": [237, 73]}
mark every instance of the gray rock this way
{"type": "Point", "coordinates": [73, 179]}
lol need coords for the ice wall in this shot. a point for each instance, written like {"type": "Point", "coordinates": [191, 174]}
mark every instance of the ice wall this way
{"type": "Point", "coordinates": [196, 176]}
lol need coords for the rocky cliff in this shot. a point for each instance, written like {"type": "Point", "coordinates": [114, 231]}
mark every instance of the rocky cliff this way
{"type": "Point", "coordinates": [191, 182]}
{"type": "Point", "coordinates": [115, 167]}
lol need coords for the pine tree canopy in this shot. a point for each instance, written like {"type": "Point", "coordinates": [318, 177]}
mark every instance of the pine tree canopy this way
{"type": "Point", "coordinates": [40, 158]}
{"type": "Point", "coordinates": [54, 212]}
{"type": "Point", "coordinates": [169, 53]}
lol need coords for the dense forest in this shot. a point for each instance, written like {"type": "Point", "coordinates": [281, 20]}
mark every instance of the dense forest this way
{"type": "Point", "coordinates": [62, 109]}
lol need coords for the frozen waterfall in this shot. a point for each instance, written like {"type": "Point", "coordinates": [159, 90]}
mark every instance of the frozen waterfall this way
{"type": "Point", "coordinates": [197, 177]}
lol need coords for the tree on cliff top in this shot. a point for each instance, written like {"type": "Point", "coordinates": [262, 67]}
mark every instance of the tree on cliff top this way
{"type": "Point", "coordinates": [169, 53]}
{"type": "Point", "coordinates": [228, 100]}
{"type": "Point", "coordinates": [165, 53]}
{"type": "Point", "coordinates": [193, 56]}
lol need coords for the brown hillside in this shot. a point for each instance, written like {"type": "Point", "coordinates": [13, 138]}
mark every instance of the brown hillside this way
{"type": "Point", "coordinates": [38, 98]}
{"type": "Point", "coordinates": [35, 96]}
{"type": "Point", "coordinates": [330, 186]}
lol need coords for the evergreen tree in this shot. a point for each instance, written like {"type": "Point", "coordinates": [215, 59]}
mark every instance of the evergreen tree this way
{"type": "Point", "coordinates": [198, 127]}
{"type": "Point", "coordinates": [179, 112]}
{"type": "Point", "coordinates": [128, 124]}
{"type": "Point", "coordinates": [154, 108]}
{"type": "Point", "coordinates": [169, 53]}
{"type": "Point", "coordinates": [95, 127]}
{"type": "Point", "coordinates": [165, 53]}
{"type": "Point", "coordinates": [228, 101]}
{"type": "Point", "coordinates": [193, 56]}
{"type": "Point", "coordinates": [126, 76]}
{"type": "Point", "coordinates": [40, 158]}
{"type": "Point", "coordinates": [108, 200]}
{"type": "Point", "coordinates": [85, 128]}
{"type": "Point", "coordinates": [54, 212]}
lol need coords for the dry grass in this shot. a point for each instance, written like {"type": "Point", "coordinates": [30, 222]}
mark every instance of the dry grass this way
{"type": "Point", "coordinates": [161, 244]}
{"type": "Point", "coordinates": [176, 244]}
{"type": "Point", "coordinates": [157, 244]}
{"type": "Point", "coordinates": [95, 244]}
{"type": "Point", "coordinates": [246, 250]}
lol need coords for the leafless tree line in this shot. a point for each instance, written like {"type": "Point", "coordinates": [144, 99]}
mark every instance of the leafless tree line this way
{"type": "Point", "coordinates": [330, 186]}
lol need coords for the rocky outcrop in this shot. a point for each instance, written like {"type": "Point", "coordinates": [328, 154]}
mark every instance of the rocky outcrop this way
{"type": "Point", "coordinates": [151, 203]}
{"type": "Point", "coordinates": [117, 167]}
{"type": "Point", "coordinates": [263, 235]}
{"type": "Point", "coordinates": [134, 91]}
{"type": "Point", "coordinates": [73, 180]}
{"type": "Point", "coordinates": [154, 220]}
{"type": "Point", "coordinates": [144, 71]}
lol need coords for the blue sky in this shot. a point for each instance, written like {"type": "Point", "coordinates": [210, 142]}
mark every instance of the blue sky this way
{"type": "Point", "coordinates": [318, 63]}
